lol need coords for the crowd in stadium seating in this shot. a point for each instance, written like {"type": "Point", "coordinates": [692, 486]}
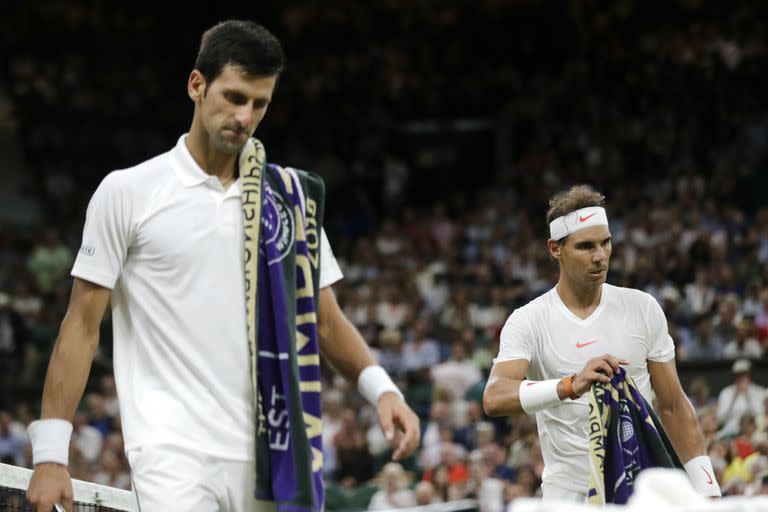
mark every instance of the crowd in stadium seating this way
{"type": "Point", "coordinates": [665, 119]}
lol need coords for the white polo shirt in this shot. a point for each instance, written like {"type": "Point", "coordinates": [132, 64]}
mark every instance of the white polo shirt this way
{"type": "Point", "coordinates": [168, 240]}
{"type": "Point", "coordinates": [628, 324]}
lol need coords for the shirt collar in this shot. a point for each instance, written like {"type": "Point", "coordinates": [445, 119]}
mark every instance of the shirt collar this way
{"type": "Point", "coordinates": [189, 173]}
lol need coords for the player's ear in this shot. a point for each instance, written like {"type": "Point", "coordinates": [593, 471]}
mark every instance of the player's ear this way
{"type": "Point", "coordinates": [555, 249]}
{"type": "Point", "coordinates": [196, 85]}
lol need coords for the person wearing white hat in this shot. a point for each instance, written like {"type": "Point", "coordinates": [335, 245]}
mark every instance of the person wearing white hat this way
{"type": "Point", "coordinates": [554, 348]}
{"type": "Point", "coordinates": [739, 398]}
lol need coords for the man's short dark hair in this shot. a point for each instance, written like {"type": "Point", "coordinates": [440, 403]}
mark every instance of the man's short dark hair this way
{"type": "Point", "coordinates": [239, 43]}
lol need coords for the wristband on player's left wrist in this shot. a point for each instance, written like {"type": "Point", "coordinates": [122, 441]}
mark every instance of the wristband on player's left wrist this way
{"type": "Point", "coordinates": [702, 476]}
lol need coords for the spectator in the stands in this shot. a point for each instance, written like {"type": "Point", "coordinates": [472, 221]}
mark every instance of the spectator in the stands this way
{"type": "Point", "coordinates": [390, 353]}
{"type": "Point", "coordinates": [333, 407]}
{"type": "Point", "coordinates": [394, 492]}
{"type": "Point", "coordinates": [724, 323]}
{"type": "Point", "coordinates": [392, 308]}
{"type": "Point", "coordinates": [744, 344]}
{"type": "Point", "coordinates": [700, 394]}
{"type": "Point", "coordinates": [761, 318]}
{"type": "Point", "coordinates": [11, 445]}
{"type": "Point", "coordinates": [482, 485]}
{"type": "Point", "coordinates": [420, 351]}
{"type": "Point", "coordinates": [739, 398]}
{"type": "Point", "coordinates": [458, 374]}
{"type": "Point", "coordinates": [426, 494]}
{"type": "Point", "coordinates": [354, 461]}
{"type": "Point", "coordinates": [440, 419]}
{"type": "Point", "coordinates": [111, 471]}
{"type": "Point", "coordinates": [700, 295]}
{"type": "Point", "coordinates": [743, 445]}
{"type": "Point", "coordinates": [108, 391]}
{"type": "Point", "coordinates": [86, 438]}
{"type": "Point", "coordinates": [528, 479]}
{"type": "Point", "coordinates": [50, 261]}
{"type": "Point", "coordinates": [13, 342]}
{"type": "Point", "coordinates": [705, 344]}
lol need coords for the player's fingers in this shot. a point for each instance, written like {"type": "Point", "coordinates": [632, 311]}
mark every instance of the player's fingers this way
{"type": "Point", "coordinates": [402, 447]}
{"type": "Point", "coordinates": [615, 363]}
{"type": "Point", "coordinates": [597, 361]}
{"type": "Point", "coordinates": [40, 503]}
{"type": "Point", "coordinates": [599, 377]}
{"type": "Point", "coordinates": [409, 424]}
{"type": "Point", "coordinates": [603, 367]}
{"type": "Point", "coordinates": [386, 422]}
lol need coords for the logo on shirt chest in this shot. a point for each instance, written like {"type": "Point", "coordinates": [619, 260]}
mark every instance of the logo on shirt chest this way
{"type": "Point", "coordinates": [278, 225]}
{"type": "Point", "coordinates": [585, 343]}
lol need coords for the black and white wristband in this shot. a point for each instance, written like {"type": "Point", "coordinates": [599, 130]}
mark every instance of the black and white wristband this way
{"type": "Point", "coordinates": [50, 440]}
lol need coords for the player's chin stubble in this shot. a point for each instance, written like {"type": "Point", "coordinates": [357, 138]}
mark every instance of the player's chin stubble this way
{"type": "Point", "coordinates": [227, 146]}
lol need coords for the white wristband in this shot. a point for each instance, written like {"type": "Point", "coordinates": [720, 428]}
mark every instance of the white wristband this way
{"type": "Point", "coordinates": [537, 395]}
{"type": "Point", "coordinates": [373, 382]}
{"type": "Point", "coordinates": [50, 440]}
{"type": "Point", "coordinates": [702, 476]}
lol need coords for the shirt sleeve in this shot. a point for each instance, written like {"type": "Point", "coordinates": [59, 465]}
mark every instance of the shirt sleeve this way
{"type": "Point", "coordinates": [516, 339]}
{"type": "Point", "coordinates": [661, 348]}
{"type": "Point", "coordinates": [330, 272]}
{"type": "Point", "coordinates": [106, 235]}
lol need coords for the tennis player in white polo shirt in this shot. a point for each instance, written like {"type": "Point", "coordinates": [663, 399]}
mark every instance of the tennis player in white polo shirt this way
{"type": "Point", "coordinates": [164, 241]}
{"type": "Point", "coordinates": [554, 348]}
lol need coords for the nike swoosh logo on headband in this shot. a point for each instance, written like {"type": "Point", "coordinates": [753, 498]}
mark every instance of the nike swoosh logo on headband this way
{"type": "Point", "coordinates": [585, 219]}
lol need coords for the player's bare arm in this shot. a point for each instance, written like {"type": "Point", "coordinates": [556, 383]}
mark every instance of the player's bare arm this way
{"type": "Point", "coordinates": [501, 396]}
{"type": "Point", "coordinates": [340, 342]}
{"type": "Point", "coordinates": [65, 381]}
{"type": "Point", "coordinates": [344, 348]}
{"type": "Point", "coordinates": [679, 419]}
{"type": "Point", "coordinates": [675, 411]}
{"type": "Point", "coordinates": [502, 393]}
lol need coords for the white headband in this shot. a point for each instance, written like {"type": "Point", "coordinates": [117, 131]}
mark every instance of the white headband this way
{"type": "Point", "coordinates": [576, 221]}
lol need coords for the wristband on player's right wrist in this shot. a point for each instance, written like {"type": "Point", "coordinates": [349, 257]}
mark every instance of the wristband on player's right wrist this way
{"type": "Point", "coordinates": [537, 395]}
{"type": "Point", "coordinates": [50, 440]}
{"type": "Point", "coordinates": [373, 382]}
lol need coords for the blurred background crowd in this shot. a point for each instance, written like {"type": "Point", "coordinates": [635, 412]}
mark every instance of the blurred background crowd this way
{"type": "Point", "coordinates": [441, 129]}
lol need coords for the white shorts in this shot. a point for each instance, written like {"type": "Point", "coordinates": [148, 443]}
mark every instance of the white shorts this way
{"type": "Point", "coordinates": [172, 478]}
{"type": "Point", "coordinates": [550, 492]}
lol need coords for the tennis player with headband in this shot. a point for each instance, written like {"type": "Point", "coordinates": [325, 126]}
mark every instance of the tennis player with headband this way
{"type": "Point", "coordinates": [580, 332]}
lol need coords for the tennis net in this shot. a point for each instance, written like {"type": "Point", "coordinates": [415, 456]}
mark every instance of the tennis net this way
{"type": "Point", "coordinates": [88, 497]}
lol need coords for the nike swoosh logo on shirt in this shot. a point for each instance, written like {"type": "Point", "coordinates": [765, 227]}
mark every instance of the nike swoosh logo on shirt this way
{"type": "Point", "coordinates": [709, 481]}
{"type": "Point", "coordinates": [585, 219]}
{"type": "Point", "coordinates": [582, 345]}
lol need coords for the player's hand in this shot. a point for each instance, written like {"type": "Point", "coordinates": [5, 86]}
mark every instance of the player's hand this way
{"type": "Point", "coordinates": [599, 369]}
{"type": "Point", "coordinates": [394, 414]}
{"type": "Point", "coordinates": [50, 484]}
